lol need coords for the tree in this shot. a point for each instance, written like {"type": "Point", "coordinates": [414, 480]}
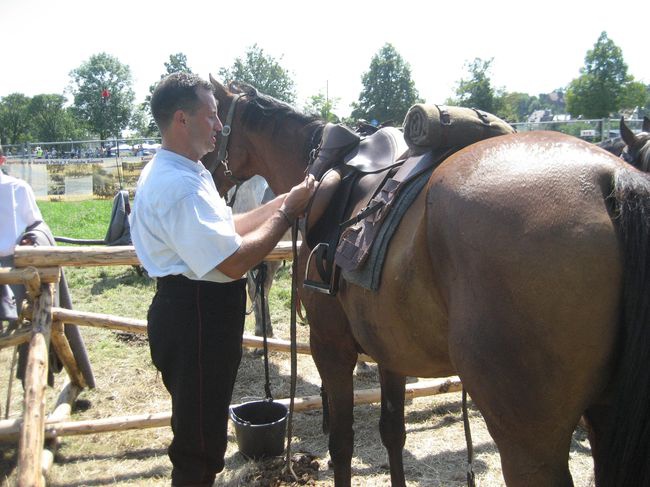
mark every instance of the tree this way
{"type": "Point", "coordinates": [263, 72]}
{"type": "Point", "coordinates": [51, 121]}
{"type": "Point", "coordinates": [477, 91]}
{"type": "Point", "coordinates": [142, 120]}
{"type": "Point", "coordinates": [322, 106]}
{"type": "Point", "coordinates": [388, 90]}
{"type": "Point", "coordinates": [177, 64]}
{"type": "Point", "coordinates": [14, 118]}
{"type": "Point", "coordinates": [600, 89]}
{"type": "Point", "coordinates": [515, 107]}
{"type": "Point", "coordinates": [634, 94]}
{"type": "Point", "coordinates": [103, 94]}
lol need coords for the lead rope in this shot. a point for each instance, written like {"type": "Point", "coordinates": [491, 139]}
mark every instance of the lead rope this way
{"type": "Point", "coordinates": [261, 279]}
{"type": "Point", "coordinates": [468, 438]}
{"type": "Point", "coordinates": [294, 355]}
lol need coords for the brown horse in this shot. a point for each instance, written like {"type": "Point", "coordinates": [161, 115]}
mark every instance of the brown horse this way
{"type": "Point", "coordinates": [637, 150]}
{"type": "Point", "coordinates": [522, 266]}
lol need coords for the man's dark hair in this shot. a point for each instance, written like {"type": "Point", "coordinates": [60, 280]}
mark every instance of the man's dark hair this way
{"type": "Point", "coordinates": [177, 91]}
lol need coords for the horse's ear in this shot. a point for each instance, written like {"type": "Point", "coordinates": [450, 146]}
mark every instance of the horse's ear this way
{"type": "Point", "coordinates": [626, 134]}
{"type": "Point", "coordinates": [220, 90]}
{"type": "Point", "coordinates": [646, 124]}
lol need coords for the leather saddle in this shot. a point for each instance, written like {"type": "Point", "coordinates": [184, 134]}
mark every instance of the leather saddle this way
{"type": "Point", "coordinates": [342, 146]}
{"type": "Point", "coordinates": [351, 170]}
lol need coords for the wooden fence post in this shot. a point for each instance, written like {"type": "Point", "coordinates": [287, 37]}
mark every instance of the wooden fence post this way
{"type": "Point", "coordinates": [32, 435]}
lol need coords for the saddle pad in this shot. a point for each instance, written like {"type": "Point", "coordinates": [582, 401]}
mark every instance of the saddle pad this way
{"type": "Point", "coordinates": [368, 276]}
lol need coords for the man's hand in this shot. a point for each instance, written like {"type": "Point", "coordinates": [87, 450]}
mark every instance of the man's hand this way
{"type": "Point", "coordinates": [27, 240]}
{"type": "Point", "coordinates": [298, 198]}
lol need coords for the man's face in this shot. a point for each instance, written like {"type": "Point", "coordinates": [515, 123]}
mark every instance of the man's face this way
{"type": "Point", "coordinates": [204, 125]}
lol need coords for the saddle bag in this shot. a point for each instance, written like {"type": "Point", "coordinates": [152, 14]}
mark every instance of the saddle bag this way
{"type": "Point", "coordinates": [428, 127]}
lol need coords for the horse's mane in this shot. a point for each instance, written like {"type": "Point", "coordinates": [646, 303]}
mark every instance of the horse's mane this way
{"type": "Point", "coordinates": [263, 111]}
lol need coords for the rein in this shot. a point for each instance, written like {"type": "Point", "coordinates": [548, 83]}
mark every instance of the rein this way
{"type": "Point", "coordinates": [293, 344]}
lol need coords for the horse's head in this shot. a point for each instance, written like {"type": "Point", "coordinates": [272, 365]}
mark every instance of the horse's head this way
{"type": "Point", "coordinates": [261, 136]}
{"type": "Point", "coordinates": [232, 160]}
{"type": "Point", "coordinates": [637, 151]}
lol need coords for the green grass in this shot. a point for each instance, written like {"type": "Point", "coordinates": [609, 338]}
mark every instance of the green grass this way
{"type": "Point", "coordinates": [77, 219]}
{"type": "Point", "coordinates": [116, 290]}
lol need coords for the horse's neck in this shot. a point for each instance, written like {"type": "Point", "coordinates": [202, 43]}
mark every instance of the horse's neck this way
{"type": "Point", "coordinates": [283, 156]}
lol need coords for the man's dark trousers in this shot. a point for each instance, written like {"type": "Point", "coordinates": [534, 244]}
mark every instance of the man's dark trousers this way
{"type": "Point", "coordinates": [195, 334]}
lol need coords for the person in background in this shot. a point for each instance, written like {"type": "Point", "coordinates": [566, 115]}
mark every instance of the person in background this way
{"type": "Point", "coordinates": [187, 238]}
{"type": "Point", "coordinates": [18, 210]}
{"type": "Point", "coordinates": [21, 223]}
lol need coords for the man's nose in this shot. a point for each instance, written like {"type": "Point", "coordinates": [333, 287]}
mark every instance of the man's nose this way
{"type": "Point", "coordinates": [218, 125]}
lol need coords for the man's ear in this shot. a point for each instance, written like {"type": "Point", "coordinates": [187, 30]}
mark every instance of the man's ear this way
{"type": "Point", "coordinates": [179, 117]}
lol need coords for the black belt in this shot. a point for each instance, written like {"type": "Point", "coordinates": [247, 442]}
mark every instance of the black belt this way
{"type": "Point", "coordinates": [179, 281]}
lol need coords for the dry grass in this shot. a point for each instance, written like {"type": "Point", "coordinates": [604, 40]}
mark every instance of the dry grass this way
{"type": "Point", "coordinates": [435, 452]}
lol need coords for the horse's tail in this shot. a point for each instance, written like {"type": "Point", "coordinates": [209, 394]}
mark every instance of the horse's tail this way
{"type": "Point", "coordinates": [626, 449]}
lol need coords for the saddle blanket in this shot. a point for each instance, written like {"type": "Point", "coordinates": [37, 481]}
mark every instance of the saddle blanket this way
{"type": "Point", "coordinates": [368, 275]}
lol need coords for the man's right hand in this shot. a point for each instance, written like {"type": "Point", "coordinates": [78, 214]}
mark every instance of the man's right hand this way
{"type": "Point", "coordinates": [296, 201]}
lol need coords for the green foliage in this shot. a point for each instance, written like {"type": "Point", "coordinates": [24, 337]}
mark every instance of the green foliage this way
{"type": "Point", "coordinates": [51, 121]}
{"type": "Point", "coordinates": [477, 91]}
{"type": "Point", "coordinates": [14, 118]}
{"type": "Point", "coordinates": [263, 72]}
{"type": "Point", "coordinates": [105, 116]}
{"type": "Point", "coordinates": [388, 90]}
{"type": "Point", "coordinates": [177, 64]}
{"type": "Point", "coordinates": [322, 106]}
{"type": "Point", "coordinates": [515, 107]}
{"type": "Point", "coordinates": [634, 94]}
{"type": "Point", "coordinates": [601, 88]}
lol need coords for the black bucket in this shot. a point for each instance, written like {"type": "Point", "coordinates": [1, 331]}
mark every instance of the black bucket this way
{"type": "Point", "coordinates": [260, 427]}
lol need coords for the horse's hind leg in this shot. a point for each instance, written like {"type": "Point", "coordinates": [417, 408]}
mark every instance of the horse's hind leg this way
{"type": "Point", "coordinates": [391, 424]}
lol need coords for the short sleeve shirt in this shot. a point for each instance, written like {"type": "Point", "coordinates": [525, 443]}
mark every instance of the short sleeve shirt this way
{"type": "Point", "coordinates": [179, 223]}
{"type": "Point", "coordinates": [18, 210]}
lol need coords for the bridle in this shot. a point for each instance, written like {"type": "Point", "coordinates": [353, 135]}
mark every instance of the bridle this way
{"type": "Point", "coordinates": [224, 136]}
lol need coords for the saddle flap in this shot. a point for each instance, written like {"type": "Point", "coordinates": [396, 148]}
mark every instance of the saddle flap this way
{"type": "Point", "coordinates": [328, 186]}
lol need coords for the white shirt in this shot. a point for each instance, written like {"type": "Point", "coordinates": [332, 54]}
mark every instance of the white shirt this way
{"type": "Point", "coordinates": [179, 223]}
{"type": "Point", "coordinates": [18, 210]}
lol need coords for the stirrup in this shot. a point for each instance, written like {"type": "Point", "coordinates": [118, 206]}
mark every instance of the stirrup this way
{"type": "Point", "coordinates": [329, 285]}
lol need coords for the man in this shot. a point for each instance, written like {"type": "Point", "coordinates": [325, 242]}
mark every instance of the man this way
{"type": "Point", "coordinates": [187, 238]}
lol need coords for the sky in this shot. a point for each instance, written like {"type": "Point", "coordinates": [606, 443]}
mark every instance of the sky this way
{"type": "Point", "coordinates": [326, 46]}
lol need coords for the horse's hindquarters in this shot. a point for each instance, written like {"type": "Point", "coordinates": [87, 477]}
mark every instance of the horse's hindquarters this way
{"type": "Point", "coordinates": [530, 270]}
